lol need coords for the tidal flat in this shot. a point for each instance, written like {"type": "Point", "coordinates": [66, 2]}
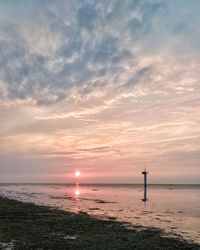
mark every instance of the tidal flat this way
{"type": "Point", "coordinates": [172, 208]}
{"type": "Point", "coordinates": [30, 226]}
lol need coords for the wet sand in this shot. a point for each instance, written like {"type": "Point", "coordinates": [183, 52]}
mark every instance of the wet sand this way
{"type": "Point", "coordinates": [29, 226]}
{"type": "Point", "coordinates": [174, 209]}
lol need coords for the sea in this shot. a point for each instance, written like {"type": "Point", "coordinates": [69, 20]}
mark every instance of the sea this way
{"type": "Point", "coordinates": [173, 208]}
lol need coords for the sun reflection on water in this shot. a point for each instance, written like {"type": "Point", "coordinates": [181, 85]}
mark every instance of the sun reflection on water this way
{"type": "Point", "coordinates": [77, 191]}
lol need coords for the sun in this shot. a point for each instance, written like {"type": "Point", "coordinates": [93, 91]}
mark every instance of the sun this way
{"type": "Point", "coordinates": [77, 173]}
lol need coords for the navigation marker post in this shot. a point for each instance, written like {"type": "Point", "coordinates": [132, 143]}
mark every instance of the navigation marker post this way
{"type": "Point", "coordinates": [145, 185]}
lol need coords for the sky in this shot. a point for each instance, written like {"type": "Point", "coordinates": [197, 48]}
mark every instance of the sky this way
{"type": "Point", "coordinates": [100, 86]}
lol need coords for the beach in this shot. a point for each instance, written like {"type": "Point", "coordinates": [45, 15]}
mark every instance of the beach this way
{"type": "Point", "coordinates": [28, 226]}
{"type": "Point", "coordinates": [173, 209]}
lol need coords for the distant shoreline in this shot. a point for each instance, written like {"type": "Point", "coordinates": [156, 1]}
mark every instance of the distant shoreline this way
{"type": "Point", "coordinates": [100, 184]}
{"type": "Point", "coordinates": [29, 226]}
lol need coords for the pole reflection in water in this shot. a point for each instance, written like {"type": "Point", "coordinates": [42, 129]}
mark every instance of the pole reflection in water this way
{"type": "Point", "coordinates": [77, 191]}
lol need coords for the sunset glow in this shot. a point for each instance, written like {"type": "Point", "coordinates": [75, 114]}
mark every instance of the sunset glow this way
{"type": "Point", "coordinates": [103, 86]}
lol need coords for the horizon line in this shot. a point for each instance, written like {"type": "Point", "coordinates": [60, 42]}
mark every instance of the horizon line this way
{"type": "Point", "coordinates": [92, 183]}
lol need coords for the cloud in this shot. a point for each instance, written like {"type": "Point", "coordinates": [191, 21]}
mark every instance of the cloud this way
{"type": "Point", "coordinates": [57, 54]}
{"type": "Point", "coordinates": [99, 82]}
{"type": "Point", "coordinates": [86, 15]}
{"type": "Point", "coordinates": [69, 45]}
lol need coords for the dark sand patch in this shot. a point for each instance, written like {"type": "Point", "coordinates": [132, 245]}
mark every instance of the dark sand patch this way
{"type": "Point", "coordinates": [94, 208]}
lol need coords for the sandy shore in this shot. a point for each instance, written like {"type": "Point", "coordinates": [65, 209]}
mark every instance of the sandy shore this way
{"type": "Point", "coordinates": [27, 226]}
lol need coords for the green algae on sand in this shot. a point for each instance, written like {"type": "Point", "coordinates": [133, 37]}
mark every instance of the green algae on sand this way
{"type": "Point", "coordinates": [28, 226]}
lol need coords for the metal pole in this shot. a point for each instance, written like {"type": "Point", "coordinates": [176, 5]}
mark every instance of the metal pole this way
{"type": "Point", "coordinates": [145, 185]}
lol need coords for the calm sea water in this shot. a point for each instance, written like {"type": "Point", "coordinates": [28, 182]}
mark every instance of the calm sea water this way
{"type": "Point", "coordinates": [174, 208]}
